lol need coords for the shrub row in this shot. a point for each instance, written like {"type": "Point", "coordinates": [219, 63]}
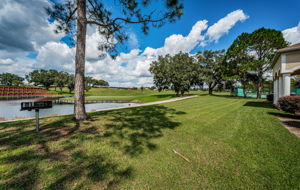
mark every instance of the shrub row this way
{"type": "Point", "coordinates": [289, 104]}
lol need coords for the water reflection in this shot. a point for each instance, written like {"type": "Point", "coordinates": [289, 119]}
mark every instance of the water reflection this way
{"type": "Point", "coordinates": [10, 109]}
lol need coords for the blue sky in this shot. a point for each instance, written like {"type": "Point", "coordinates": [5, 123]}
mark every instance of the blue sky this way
{"type": "Point", "coordinates": [263, 13]}
{"type": "Point", "coordinates": [29, 44]}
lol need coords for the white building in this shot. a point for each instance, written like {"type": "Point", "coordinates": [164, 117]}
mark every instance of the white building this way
{"type": "Point", "coordinates": [286, 64]}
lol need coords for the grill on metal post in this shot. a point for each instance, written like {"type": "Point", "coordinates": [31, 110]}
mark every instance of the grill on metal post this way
{"type": "Point", "coordinates": [36, 106]}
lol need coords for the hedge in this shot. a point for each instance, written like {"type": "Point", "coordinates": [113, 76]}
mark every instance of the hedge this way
{"type": "Point", "coordinates": [289, 104]}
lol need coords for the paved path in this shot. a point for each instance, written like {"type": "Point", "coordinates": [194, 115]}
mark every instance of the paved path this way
{"type": "Point", "coordinates": [150, 103]}
{"type": "Point", "coordinates": [291, 123]}
{"type": "Point", "coordinates": [122, 107]}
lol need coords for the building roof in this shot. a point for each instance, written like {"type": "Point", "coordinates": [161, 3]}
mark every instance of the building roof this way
{"type": "Point", "coordinates": [285, 50]}
{"type": "Point", "coordinates": [290, 48]}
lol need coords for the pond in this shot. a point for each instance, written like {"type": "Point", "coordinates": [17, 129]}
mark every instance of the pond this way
{"type": "Point", "coordinates": [10, 109]}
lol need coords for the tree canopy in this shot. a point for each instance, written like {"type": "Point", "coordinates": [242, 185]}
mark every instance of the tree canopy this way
{"type": "Point", "coordinates": [210, 64]}
{"type": "Point", "coordinates": [42, 77]}
{"type": "Point", "coordinates": [178, 72]}
{"type": "Point", "coordinates": [48, 78]}
{"type": "Point", "coordinates": [74, 16]}
{"type": "Point", "coordinates": [9, 79]}
{"type": "Point", "coordinates": [250, 56]}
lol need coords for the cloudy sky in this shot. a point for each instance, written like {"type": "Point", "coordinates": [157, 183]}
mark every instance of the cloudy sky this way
{"type": "Point", "coordinates": [28, 41]}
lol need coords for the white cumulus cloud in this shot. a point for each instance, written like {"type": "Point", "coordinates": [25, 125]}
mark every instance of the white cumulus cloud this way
{"type": "Point", "coordinates": [292, 35]}
{"type": "Point", "coordinates": [177, 42]}
{"type": "Point", "coordinates": [222, 27]}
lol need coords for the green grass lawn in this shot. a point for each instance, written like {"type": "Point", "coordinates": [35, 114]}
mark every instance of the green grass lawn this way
{"type": "Point", "coordinates": [109, 92]}
{"type": "Point", "coordinates": [233, 143]}
{"type": "Point", "coordinates": [137, 99]}
{"type": "Point", "coordinates": [130, 95]}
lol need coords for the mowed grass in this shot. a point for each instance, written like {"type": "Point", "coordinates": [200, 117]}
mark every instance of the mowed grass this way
{"type": "Point", "coordinates": [131, 95]}
{"type": "Point", "coordinates": [233, 143]}
{"type": "Point", "coordinates": [110, 92]}
{"type": "Point", "coordinates": [136, 99]}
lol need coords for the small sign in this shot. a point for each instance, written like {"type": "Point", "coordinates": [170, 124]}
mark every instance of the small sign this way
{"type": "Point", "coordinates": [36, 105]}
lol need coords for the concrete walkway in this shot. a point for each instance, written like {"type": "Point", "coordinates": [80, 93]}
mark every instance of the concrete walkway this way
{"type": "Point", "coordinates": [116, 108]}
{"type": "Point", "coordinates": [150, 103]}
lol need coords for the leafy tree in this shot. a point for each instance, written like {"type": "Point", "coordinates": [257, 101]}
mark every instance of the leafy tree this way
{"type": "Point", "coordinates": [178, 72]}
{"type": "Point", "coordinates": [251, 54]}
{"type": "Point", "coordinates": [54, 74]}
{"type": "Point", "coordinates": [100, 82]}
{"type": "Point", "coordinates": [42, 77]}
{"type": "Point", "coordinates": [264, 43]}
{"type": "Point", "coordinates": [9, 79]}
{"type": "Point", "coordinates": [61, 80]}
{"type": "Point", "coordinates": [210, 63]}
{"type": "Point", "coordinates": [89, 83]}
{"type": "Point", "coordinates": [152, 87]}
{"type": "Point", "coordinates": [71, 83]}
{"type": "Point", "coordinates": [74, 16]}
{"type": "Point", "coordinates": [160, 69]}
{"type": "Point", "coordinates": [238, 63]}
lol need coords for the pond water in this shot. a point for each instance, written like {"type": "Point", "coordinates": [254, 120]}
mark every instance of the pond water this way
{"type": "Point", "coordinates": [10, 109]}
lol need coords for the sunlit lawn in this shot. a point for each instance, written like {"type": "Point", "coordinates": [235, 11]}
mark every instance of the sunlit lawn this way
{"type": "Point", "coordinates": [131, 95]}
{"type": "Point", "coordinates": [232, 143]}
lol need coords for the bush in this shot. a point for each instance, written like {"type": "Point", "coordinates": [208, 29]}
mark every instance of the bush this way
{"type": "Point", "coordinates": [270, 97]}
{"type": "Point", "coordinates": [289, 104]}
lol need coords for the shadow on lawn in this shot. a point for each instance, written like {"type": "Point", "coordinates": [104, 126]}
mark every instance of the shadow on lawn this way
{"type": "Point", "coordinates": [259, 104]}
{"type": "Point", "coordinates": [132, 130]}
{"type": "Point", "coordinates": [56, 157]}
{"type": "Point", "coordinates": [288, 119]}
{"type": "Point", "coordinates": [67, 165]}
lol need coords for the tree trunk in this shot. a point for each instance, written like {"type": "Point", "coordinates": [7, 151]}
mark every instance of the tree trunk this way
{"type": "Point", "coordinates": [79, 107]}
{"type": "Point", "coordinates": [244, 91]}
{"type": "Point", "coordinates": [260, 84]}
{"type": "Point", "coordinates": [182, 93]}
{"type": "Point", "coordinates": [210, 89]}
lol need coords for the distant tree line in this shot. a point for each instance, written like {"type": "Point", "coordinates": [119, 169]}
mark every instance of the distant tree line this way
{"type": "Point", "coordinates": [9, 79]}
{"type": "Point", "coordinates": [49, 78]}
{"type": "Point", "coordinates": [246, 63]}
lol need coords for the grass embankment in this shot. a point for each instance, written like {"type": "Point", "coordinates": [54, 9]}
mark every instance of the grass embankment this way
{"type": "Point", "coordinates": [129, 95]}
{"type": "Point", "coordinates": [233, 143]}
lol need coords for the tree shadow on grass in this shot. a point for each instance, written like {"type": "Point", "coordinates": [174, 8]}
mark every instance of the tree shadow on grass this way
{"type": "Point", "coordinates": [27, 156]}
{"type": "Point", "coordinates": [133, 130]}
{"type": "Point", "coordinates": [259, 104]}
{"type": "Point", "coordinates": [54, 158]}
